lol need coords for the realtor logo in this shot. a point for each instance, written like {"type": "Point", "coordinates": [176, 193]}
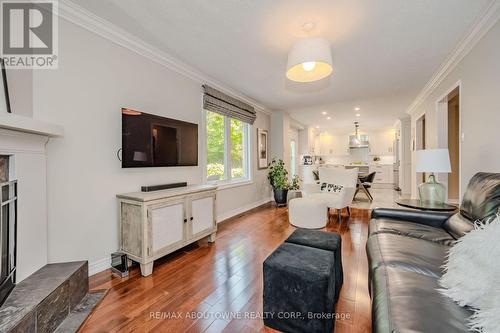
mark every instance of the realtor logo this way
{"type": "Point", "coordinates": [29, 34]}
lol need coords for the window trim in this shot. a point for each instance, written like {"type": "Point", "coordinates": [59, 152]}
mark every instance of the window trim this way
{"type": "Point", "coordinates": [228, 182]}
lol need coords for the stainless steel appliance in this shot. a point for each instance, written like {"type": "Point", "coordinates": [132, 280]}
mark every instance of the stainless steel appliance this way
{"type": "Point", "coordinates": [396, 164]}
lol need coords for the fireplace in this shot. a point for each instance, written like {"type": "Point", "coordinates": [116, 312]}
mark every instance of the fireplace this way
{"type": "Point", "coordinates": [8, 229]}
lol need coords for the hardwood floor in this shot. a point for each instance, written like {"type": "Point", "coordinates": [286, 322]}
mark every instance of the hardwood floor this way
{"type": "Point", "coordinates": [225, 278]}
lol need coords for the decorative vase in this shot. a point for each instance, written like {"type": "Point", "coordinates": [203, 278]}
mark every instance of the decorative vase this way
{"type": "Point", "coordinates": [280, 196]}
{"type": "Point", "coordinates": [432, 191]}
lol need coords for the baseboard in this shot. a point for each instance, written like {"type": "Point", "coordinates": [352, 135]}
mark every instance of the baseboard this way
{"type": "Point", "coordinates": [99, 265]}
{"type": "Point", "coordinates": [239, 210]}
{"type": "Point", "coordinates": [105, 263]}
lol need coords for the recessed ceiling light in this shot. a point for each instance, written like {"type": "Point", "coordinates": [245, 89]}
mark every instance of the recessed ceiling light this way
{"type": "Point", "coordinates": [328, 118]}
{"type": "Point", "coordinates": [324, 113]}
{"type": "Point", "coordinates": [317, 126]}
{"type": "Point", "coordinates": [357, 108]}
{"type": "Point", "coordinates": [358, 115]}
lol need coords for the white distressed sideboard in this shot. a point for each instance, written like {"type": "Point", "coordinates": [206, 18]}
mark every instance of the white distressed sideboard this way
{"type": "Point", "coordinates": [154, 224]}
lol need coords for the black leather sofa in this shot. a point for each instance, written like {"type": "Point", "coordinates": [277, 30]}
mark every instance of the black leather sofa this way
{"type": "Point", "coordinates": [406, 250]}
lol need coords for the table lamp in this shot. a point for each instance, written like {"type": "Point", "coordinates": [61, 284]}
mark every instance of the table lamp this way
{"type": "Point", "coordinates": [433, 161]}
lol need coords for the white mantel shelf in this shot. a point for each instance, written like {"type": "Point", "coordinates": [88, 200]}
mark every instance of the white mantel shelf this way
{"type": "Point", "coordinates": [28, 125]}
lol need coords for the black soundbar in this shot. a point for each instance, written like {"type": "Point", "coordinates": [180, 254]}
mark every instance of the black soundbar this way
{"type": "Point", "coordinates": [162, 187]}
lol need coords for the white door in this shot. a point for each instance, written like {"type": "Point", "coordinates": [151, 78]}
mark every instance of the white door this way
{"type": "Point", "coordinates": [167, 226]}
{"type": "Point", "coordinates": [202, 214]}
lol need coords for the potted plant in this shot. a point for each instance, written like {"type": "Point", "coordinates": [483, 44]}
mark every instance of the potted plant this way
{"type": "Point", "coordinates": [278, 178]}
{"type": "Point", "coordinates": [293, 189]}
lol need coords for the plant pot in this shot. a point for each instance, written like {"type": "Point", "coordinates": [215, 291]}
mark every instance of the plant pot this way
{"type": "Point", "coordinates": [280, 196]}
{"type": "Point", "coordinates": [292, 195]}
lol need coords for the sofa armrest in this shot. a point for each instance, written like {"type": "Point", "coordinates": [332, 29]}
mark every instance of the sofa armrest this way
{"type": "Point", "coordinates": [433, 219]}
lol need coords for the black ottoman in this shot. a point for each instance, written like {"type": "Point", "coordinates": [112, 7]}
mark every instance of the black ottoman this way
{"type": "Point", "coordinates": [299, 289]}
{"type": "Point", "coordinates": [324, 240]}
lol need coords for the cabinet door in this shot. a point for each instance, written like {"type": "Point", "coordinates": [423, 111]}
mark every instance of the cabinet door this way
{"type": "Point", "coordinates": [166, 226]}
{"type": "Point", "coordinates": [202, 214]}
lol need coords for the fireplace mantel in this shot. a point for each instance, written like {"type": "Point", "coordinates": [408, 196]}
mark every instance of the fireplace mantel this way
{"type": "Point", "coordinates": [28, 125]}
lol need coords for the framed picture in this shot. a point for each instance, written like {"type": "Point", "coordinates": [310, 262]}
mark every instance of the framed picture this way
{"type": "Point", "coordinates": [262, 154]}
{"type": "Point", "coordinates": [4, 91]}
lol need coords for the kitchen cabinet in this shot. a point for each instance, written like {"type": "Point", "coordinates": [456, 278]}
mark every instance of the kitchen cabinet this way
{"type": "Point", "coordinates": [335, 145]}
{"type": "Point", "coordinates": [383, 173]}
{"type": "Point", "coordinates": [154, 224]}
{"type": "Point", "coordinates": [382, 143]}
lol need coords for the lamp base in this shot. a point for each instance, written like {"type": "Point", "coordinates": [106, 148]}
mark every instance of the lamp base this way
{"type": "Point", "coordinates": [432, 191]}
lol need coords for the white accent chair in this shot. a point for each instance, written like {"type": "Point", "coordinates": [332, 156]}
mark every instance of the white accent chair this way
{"type": "Point", "coordinates": [308, 213]}
{"type": "Point", "coordinates": [348, 178]}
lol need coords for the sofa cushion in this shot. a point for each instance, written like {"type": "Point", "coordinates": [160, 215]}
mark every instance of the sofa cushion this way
{"type": "Point", "coordinates": [411, 254]}
{"type": "Point", "coordinates": [457, 225]}
{"type": "Point", "coordinates": [405, 301]}
{"type": "Point", "coordinates": [482, 197]}
{"type": "Point", "coordinates": [410, 229]}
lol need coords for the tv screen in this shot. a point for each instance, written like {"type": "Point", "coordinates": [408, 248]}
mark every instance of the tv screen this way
{"type": "Point", "coordinates": [154, 141]}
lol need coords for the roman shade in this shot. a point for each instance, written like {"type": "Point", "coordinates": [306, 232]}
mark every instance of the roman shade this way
{"type": "Point", "coordinates": [216, 101]}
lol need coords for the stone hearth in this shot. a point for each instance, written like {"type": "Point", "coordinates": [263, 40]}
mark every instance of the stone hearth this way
{"type": "Point", "coordinates": [54, 298]}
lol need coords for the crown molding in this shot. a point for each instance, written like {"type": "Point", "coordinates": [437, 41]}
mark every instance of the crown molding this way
{"type": "Point", "coordinates": [75, 14]}
{"type": "Point", "coordinates": [482, 25]}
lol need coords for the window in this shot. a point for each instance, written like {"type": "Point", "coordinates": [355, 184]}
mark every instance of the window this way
{"type": "Point", "coordinates": [227, 148]}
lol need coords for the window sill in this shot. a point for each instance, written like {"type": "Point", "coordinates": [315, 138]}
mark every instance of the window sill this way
{"type": "Point", "coordinates": [231, 184]}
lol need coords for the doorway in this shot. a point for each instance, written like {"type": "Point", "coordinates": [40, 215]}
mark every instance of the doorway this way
{"type": "Point", "coordinates": [448, 121]}
{"type": "Point", "coordinates": [420, 144]}
{"type": "Point", "coordinates": [454, 144]}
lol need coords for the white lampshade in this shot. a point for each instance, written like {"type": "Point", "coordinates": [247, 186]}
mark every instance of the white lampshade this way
{"type": "Point", "coordinates": [433, 160]}
{"type": "Point", "coordinates": [309, 60]}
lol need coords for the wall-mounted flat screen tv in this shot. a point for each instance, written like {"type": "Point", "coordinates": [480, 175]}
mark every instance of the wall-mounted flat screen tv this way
{"type": "Point", "coordinates": [153, 141]}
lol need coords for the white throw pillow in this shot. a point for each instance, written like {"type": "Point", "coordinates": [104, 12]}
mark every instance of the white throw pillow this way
{"type": "Point", "coordinates": [472, 274]}
{"type": "Point", "coordinates": [325, 187]}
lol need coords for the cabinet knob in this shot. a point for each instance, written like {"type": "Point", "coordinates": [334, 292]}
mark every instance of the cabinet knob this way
{"type": "Point", "coordinates": [185, 220]}
{"type": "Point", "coordinates": [191, 218]}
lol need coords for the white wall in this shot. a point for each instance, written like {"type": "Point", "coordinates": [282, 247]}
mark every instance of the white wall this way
{"type": "Point", "coordinates": [95, 79]}
{"type": "Point", "coordinates": [479, 73]}
{"type": "Point", "coordinates": [20, 84]}
{"type": "Point", "coordinates": [280, 137]}
{"type": "Point", "coordinates": [28, 167]}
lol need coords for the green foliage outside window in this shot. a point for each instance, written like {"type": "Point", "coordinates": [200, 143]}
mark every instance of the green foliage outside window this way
{"type": "Point", "coordinates": [215, 147]}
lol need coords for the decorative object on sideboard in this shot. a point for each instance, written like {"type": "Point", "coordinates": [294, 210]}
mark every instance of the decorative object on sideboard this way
{"type": "Point", "coordinates": [433, 161]}
{"type": "Point", "coordinates": [4, 93]}
{"type": "Point", "coordinates": [262, 143]}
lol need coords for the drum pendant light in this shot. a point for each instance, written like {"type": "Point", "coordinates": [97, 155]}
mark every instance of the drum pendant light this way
{"type": "Point", "coordinates": [309, 60]}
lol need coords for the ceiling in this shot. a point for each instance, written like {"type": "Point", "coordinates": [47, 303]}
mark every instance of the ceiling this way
{"type": "Point", "coordinates": [383, 51]}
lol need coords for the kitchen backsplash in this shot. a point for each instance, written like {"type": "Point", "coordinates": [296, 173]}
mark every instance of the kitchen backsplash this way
{"type": "Point", "coordinates": [343, 160]}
